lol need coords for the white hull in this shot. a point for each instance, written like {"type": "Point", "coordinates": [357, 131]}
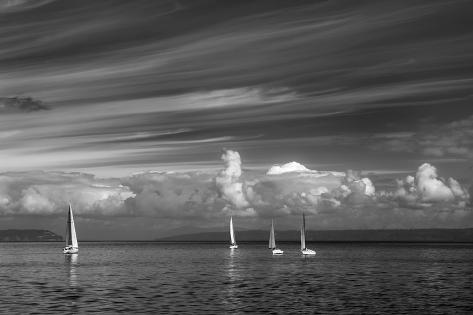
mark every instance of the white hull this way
{"type": "Point", "coordinates": [277, 251]}
{"type": "Point", "coordinates": [70, 250]}
{"type": "Point", "coordinates": [307, 251]}
{"type": "Point", "coordinates": [235, 246]}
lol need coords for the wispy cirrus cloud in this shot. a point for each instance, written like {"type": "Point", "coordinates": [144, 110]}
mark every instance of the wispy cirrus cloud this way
{"type": "Point", "coordinates": [246, 77]}
{"type": "Point", "coordinates": [453, 139]}
{"type": "Point", "coordinates": [21, 5]}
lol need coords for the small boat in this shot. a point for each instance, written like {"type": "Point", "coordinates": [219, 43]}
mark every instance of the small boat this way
{"type": "Point", "coordinates": [72, 247]}
{"type": "Point", "coordinates": [272, 241]}
{"type": "Point", "coordinates": [305, 250]}
{"type": "Point", "coordinates": [233, 244]}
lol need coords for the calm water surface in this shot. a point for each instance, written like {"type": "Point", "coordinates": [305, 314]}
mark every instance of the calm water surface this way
{"type": "Point", "coordinates": [171, 277]}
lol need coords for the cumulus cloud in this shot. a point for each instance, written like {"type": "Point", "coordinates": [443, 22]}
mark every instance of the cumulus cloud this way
{"type": "Point", "coordinates": [287, 168]}
{"type": "Point", "coordinates": [369, 187]}
{"type": "Point", "coordinates": [427, 188]}
{"type": "Point", "coordinates": [457, 190]}
{"type": "Point", "coordinates": [49, 193]}
{"type": "Point", "coordinates": [406, 191]}
{"type": "Point", "coordinates": [295, 167]}
{"type": "Point", "coordinates": [355, 183]}
{"type": "Point", "coordinates": [228, 180]}
{"type": "Point", "coordinates": [191, 195]}
{"type": "Point", "coordinates": [355, 190]}
{"type": "Point", "coordinates": [430, 187]}
{"type": "Point", "coordinates": [350, 201]}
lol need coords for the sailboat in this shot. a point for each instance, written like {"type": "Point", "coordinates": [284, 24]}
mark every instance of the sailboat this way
{"type": "Point", "coordinates": [72, 247]}
{"type": "Point", "coordinates": [272, 241]}
{"type": "Point", "coordinates": [305, 250]}
{"type": "Point", "coordinates": [233, 244]}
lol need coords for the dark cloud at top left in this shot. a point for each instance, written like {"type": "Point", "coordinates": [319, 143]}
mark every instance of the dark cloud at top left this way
{"type": "Point", "coordinates": [20, 104]}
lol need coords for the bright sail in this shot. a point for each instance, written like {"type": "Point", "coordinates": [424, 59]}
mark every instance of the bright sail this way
{"type": "Point", "coordinates": [303, 232]}
{"type": "Point", "coordinates": [71, 238]}
{"type": "Point", "coordinates": [305, 250]}
{"type": "Point", "coordinates": [232, 235]}
{"type": "Point", "coordinates": [272, 240]}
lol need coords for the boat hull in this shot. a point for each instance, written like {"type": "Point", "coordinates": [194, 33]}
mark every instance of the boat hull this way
{"type": "Point", "coordinates": [70, 250]}
{"type": "Point", "coordinates": [234, 246]}
{"type": "Point", "coordinates": [307, 251]}
{"type": "Point", "coordinates": [277, 251]}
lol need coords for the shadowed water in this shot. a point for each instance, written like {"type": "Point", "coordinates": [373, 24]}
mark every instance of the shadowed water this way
{"type": "Point", "coordinates": [182, 277]}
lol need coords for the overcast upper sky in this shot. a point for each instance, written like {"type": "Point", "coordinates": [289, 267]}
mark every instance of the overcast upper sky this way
{"type": "Point", "coordinates": [161, 117]}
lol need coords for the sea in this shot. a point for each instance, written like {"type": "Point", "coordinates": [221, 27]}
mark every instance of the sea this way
{"type": "Point", "coordinates": [196, 278]}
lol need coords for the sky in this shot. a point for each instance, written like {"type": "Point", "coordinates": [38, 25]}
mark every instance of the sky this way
{"type": "Point", "coordinates": [156, 118]}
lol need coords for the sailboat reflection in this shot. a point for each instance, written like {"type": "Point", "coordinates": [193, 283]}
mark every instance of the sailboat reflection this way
{"type": "Point", "coordinates": [71, 262]}
{"type": "Point", "coordinates": [233, 282]}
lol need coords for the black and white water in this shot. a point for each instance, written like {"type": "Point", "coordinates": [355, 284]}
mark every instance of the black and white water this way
{"type": "Point", "coordinates": [195, 278]}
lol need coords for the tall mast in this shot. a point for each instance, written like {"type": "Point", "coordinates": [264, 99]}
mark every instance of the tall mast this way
{"type": "Point", "coordinates": [232, 233]}
{"type": "Point", "coordinates": [303, 232]}
{"type": "Point", "coordinates": [272, 239]}
{"type": "Point", "coordinates": [68, 228]}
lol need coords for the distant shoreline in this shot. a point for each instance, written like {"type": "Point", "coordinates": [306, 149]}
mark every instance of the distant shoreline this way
{"type": "Point", "coordinates": [28, 235]}
{"type": "Point", "coordinates": [342, 236]}
{"type": "Point", "coordinates": [444, 236]}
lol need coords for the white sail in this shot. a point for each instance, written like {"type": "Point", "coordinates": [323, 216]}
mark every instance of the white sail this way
{"type": "Point", "coordinates": [272, 240]}
{"type": "Point", "coordinates": [305, 251]}
{"type": "Point", "coordinates": [303, 232]}
{"type": "Point", "coordinates": [232, 233]}
{"type": "Point", "coordinates": [71, 237]}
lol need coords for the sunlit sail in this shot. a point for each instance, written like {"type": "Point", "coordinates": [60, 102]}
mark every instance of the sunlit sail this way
{"type": "Point", "coordinates": [272, 241]}
{"type": "Point", "coordinates": [72, 246]}
{"type": "Point", "coordinates": [233, 244]}
{"type": "Point", "coordinates": [304, 250]}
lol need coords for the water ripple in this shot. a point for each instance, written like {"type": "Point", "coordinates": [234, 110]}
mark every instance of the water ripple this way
{"type": "Point", "coordinates": [194, 278]}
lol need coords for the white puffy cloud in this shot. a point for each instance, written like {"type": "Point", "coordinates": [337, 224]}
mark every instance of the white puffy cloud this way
{"type": "Point", "coordinates": [430, 187]}
{"type": "Point", "coordinates": [228, 180]}
{"type": "Point", "coordinates": [287, 168]}
{"type": "Point", "coordinates": [49, 193]}
{"type": "Point", "coordinates": [457, 190]}
{"type": "Point", "coordinates": [427, 188]}
{"type": "Point", "coordinates": [363, 186]}
{"type": "Point", "coordinates": [35, 201]}
{"type": "Point", "coordinates": [350, 201]}
{"type": "Point", "coordinates": [188, 195]}
{"type": "Point", "coordinates": [295, 167]}
{"type": "Point", "coordinates": [354, 190]}
{"type": "Point", "coordinates": [369, 187]}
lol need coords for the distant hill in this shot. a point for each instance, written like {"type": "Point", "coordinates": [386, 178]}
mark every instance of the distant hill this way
{"type": "Point", "coordinates": [29, 236]}
{"type": "Point", "coordinates": [417, 235]}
